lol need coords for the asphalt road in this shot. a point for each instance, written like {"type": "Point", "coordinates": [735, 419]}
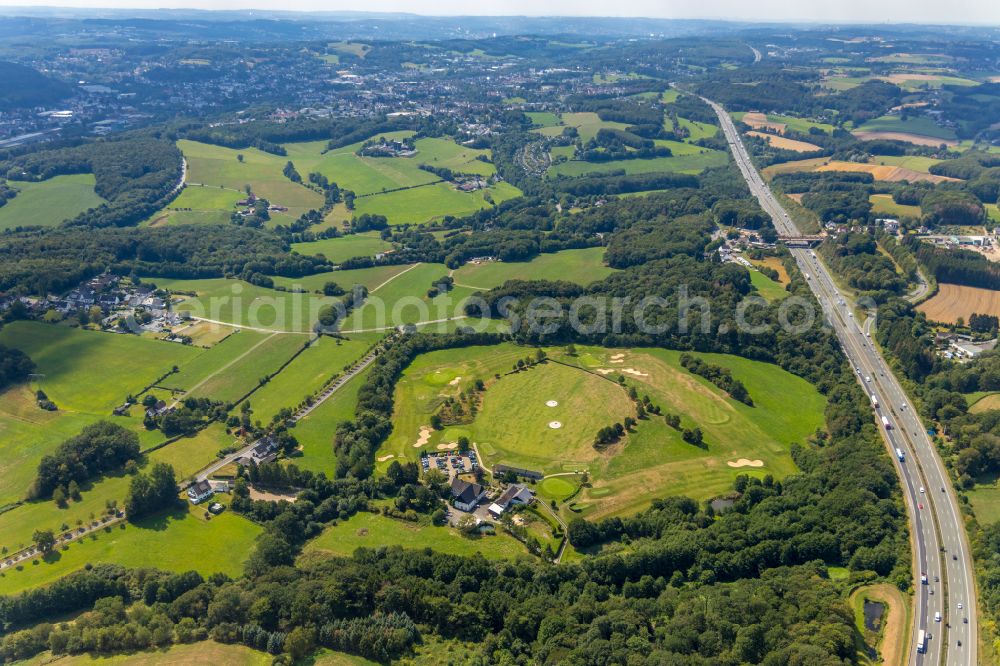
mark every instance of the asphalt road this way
{"type": "Point", "coordinates": [940, 544]}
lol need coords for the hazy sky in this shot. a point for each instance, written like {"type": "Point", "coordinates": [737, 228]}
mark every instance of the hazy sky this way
{"type": "Point", "coordinates": [917, 11]}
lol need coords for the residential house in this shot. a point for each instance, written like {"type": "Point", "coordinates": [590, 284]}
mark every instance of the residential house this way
{"type": "Point", "coordinates": [265, 451]}
{"type": "Point", "coordinates": [199, 491]}
{"type": "Point", "coordinates": [466, 495]}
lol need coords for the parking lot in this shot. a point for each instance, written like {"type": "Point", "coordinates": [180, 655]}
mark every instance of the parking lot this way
{"type": "Point", "coordinates": [450, 463]}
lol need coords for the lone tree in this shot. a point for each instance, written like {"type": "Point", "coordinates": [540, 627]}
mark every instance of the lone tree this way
{"type": "Point", "coordinates": [44, 540]}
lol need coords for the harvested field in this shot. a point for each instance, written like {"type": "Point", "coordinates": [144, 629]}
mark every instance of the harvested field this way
{"type": "Point", "coordinates": [953, 301]}
{"type": "Point", "coordinates": [917, 139]}
{"type": "Point", "coordinates": [785, 144]}
{"type": "Point", "coordinates": [775, 262]}
{"type": "Point", "coordinates": [759, 121]}
{"type": "Point", "coordinates": [885, 172]}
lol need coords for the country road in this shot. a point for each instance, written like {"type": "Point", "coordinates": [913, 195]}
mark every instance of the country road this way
{"type": "Point", "coordinates": [940, 544]}
{"type": "Point", "coordinates": [357, 369]}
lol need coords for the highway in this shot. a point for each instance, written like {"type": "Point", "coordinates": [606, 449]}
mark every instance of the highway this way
{"type": "Point", "coordinates": [940, 544]}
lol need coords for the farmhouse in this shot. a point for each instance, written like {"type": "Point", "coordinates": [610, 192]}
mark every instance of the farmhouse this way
{"type": "Point", "coordinates": [515, 494]}
{"type": "Point", "coordinates": [156, 409]}
{"type": "Point", "coordinates": [466, 495]}
{"type": "Point", "coordinates": [199, 491]}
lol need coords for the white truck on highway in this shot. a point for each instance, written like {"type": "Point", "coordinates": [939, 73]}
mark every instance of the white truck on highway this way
{"type": "Point", "coordinates": [900, 454]}
{"type": "Point", "coordinates": [874, 401]}
{"type": "Point", "coordinates": [921, 641]}
{"type": "Point", "coordinates": [885, 422]}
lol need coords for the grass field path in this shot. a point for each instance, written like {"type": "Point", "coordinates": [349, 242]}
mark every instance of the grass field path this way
{"type": "Point", "coordinates": [258, 329]}
{"type": "Point", "coordinates": [407, 270]}
{"type": "Point", "coordinates": [236, 360]}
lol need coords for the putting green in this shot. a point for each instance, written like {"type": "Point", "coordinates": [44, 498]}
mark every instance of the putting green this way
{"type": "Point", "coordinates": [557, 487]}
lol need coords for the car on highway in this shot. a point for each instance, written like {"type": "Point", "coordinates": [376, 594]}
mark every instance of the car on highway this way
{"type": "Point", "coordinates": [920, 505]}
{"type": "Point", "coordinates": [959, 605]}
{"type": "Point", "coordinates": [921, 490]}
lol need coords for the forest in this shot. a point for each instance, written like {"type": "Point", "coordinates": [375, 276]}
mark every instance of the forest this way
{"type": "Point", "coordinates": [136, 174]}
{"type": "Point", "coordinates": [40, 262]}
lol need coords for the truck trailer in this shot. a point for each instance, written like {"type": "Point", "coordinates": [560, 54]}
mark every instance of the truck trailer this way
{"type": "Point", "coordinates": [874, 401]}
{"type": "Point", "coordinates": [885, 422]}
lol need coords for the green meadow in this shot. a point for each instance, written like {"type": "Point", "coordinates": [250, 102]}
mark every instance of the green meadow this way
{"type": "Point", "coordinates": [370, 530]}
{"type": "Point", "coordinates": [272, 311]}
{"type": "Point", "coordinates": [432, 202]}
{"type": "Point", "coordinates": [543, 118]}
{"type": "Point", "coordinates": [305, 375]}
{"type": "Point", "coordinates": [49, 202]}
{"type": "Point", "coordinates": [580, 266]}
{"type": "Point", "coordinates": [27, 433]}
{"type": "Point", "coordinates": [345, 247]}
{"type": "Point", "coordinates": [884, 205]}
{"type": "Point", "coordinates": [586, 123]}
{"type": "Point", "coordinates": [187, 455]}
{"type": "Point", "coordinates": [315, 432]}
{"type": "Point", "coordinates": [697, 130]}
{"type": "Point", "coordinates": [179, 540]}
{"type": "Point", "coordinates": [90, 371]}
{"type": "Point", "coordinates": [920, 125]}
{"type": "Point", "coordinates": [766, 287]}
{"type": "Point", "coordinates": [404, 300]}
{"type": "Point", "coordinates": [362, 175]}
{"type": "Point", "coordinates": [235, 366]}
{"type": "Point", "coordinates": [198, 204]}
{"type": "Point", "coordinates": [86, 374]}
{"type": "Point", "coordinates": [914, 162]}
{"type": "Point", "coordinates": [215, 166]}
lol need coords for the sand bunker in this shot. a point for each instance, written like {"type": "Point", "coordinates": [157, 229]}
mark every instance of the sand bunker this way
{"type": "Point", "coordinates": [454, 381]}
{"type": "Point", "coordinates": [743, 462]}
{"type": "Point", "coordinates": [425, 435]}
{"type": "Point", "coordinates": [634, 372]}
{"type": "Point", "coordinates": [605, 371]}
{"type": "Point", "coordinates": [385, 457]}
{"type": "Point", "coordinates": [617, 358]}
{"type": "Point", "coordinates": [555, 425]}
{"type": "Point", "coordinates": [551, 403]}
{"type": "Point", "coordinates": [447, 446]}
